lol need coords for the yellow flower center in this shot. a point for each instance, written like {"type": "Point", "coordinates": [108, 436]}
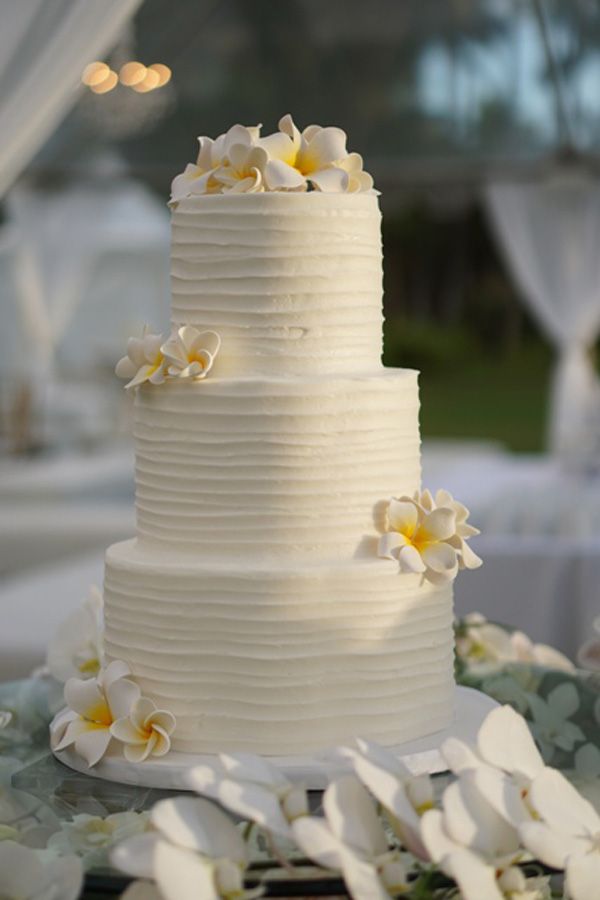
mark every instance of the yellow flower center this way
{"type": "Point", "coordinates": [99, 714]}
{"type": "Point", "coordinates": [194, 357]}
{"type": "Point", "coordinates": [89, 667]}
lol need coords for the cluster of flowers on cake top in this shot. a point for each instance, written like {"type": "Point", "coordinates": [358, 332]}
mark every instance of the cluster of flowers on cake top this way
{"type": "Point", "coordinates": [110, 710]}
{"type": "Point", "coordinates": [428, 536]}
{"type": "Point", "coordinates": [503, 809]}
{"type": "Point", "coordinates": [241, 161]}
{"type": "Point", "coordinates": [188, 353]}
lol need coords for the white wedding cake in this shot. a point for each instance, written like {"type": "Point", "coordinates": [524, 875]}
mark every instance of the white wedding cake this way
{"type": "Point", "coordinates": [276, 599]}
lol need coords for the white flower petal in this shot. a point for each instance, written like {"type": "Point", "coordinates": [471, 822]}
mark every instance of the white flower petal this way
{"type": "Point", "coordinates": [122, 694]}
{"type": "Point", "coordinates": [561, 806]}
{"type": "Point", "coordinates": [352, 816]}
{"type": "Point", "coordinates": [197, 824]}
{"type": "Point", "coordinates": [85, 697]}
{"type": "Point", "coordinates": [256, 803]}
{"type": "Point", "coordinates": [583, 876]}
{"type": "Point", "coordinates": [402, 516]}
{"type": "Point", "coordinates": [279, 148]}
{"type": "Point", "coordinates": [332, 181]}
{"type": "Point", "coordinates": [549, 846]}
{"type": "Point", "coordinates": [441, 558]}
{"type": "Point", "coordinates": [315, 839]}
{"type": "Point", "coordinates": [362, 879]}
{"type": "Point", "coordinates": [125, 731]}
{"type": "Point", "coordinates": [92, 745]}
{"type": "Point", "coordinates": [435, 838]}
{"type": "Point", "coordinates": [504, 740]}
{"type": "Point", "coordinates": [183, 875]}
{"type": "Point", "coordinates": [279, 175]}
{"type": "Point", "coordinates": [503, 795]}
{"type": "Point", "coordinates": [248, 767]}
{"type": "Point", "coordinates": [389, 544]}
{"type": "Point", "coordinates": [410, 560]}
{"type": "Point", "coordinates": [287, 126]}
{"type": "Point", "coordinates": [460, 756]}
{"type": "Point", "coordinates": [135, 855]}
{"type": "Point", "coordinates": [472, 822]}
{"type": "Point", "coordinates": [125, 368]}
{"type": "Point", "coordinates": [325, 147]}
{"type": "Point", "coordinates": [476, 880]}
{"type": "Point", "coordinates": [439, 524]}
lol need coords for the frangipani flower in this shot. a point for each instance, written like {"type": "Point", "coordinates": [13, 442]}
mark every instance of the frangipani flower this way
{"type": "Point", "coordinates": [213, 157]}
{"type": "Point", "coordinates": [427, 539]}
{"type": "Point", "coordinates": [76, 648]}
{"type": "Point", "coordinates": [144, 360]}
{"type": "Point", "coordinates": [145, 731]}
{"type": "Point", "coordinates": [95, 705]}
{"type": "Point", "coordinates": [467, 559]}
{"type": "Point", "coordinates": [351, 839]}
{"type": "Point", "coordinates": [190, 353]}
{"type": "Point", "coordinates": [195, 851]}
{"type": "Point", "coordinates": [567, 835]}
{"type": "Point", "coordinates": [244, 171]}
{"type": "Point", "coordinates": [25, 876]}
{"type": "Point", "coordinates": [296, 158]}
{"type": "Point", "coordinates": [404, 796]}
{"type": "Point", "coordinates": [254, 789]}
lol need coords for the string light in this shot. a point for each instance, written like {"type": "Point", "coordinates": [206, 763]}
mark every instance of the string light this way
{"type": "Point", "coordinates": [101, 79]}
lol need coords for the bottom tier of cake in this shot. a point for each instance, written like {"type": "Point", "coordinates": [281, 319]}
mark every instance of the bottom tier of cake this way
{"type": "Point", "coordinates": [281, 661]}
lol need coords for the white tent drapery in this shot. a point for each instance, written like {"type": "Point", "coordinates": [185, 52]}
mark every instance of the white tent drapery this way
{"type": "Point", "coordinates": [550, 235]}
{"type": "Point", "coordinates": [44, 48]}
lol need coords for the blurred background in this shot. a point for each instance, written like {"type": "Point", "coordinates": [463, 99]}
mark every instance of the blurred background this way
{"type": "Point", "coordinates": [480, 121]}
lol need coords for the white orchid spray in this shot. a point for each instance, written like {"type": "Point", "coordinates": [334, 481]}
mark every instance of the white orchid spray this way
{"type": "Point", "coordinates": [485, 646]}
{"type": "Point", "coordinates": [429, 537]}
{"type": "Point", "coordinates": [144, 360]}
{"type": "Point", "coordinates": [405, 797]}
{"type": "Point", "coordinates": [194, 850]}
{"type": "Point", "coordinates": [350, 839]}
{"type": "Point", "coordinates": [254, 789]}
{"type": "Point", "coordinates": [75, 650]}
{"type": "Point", "coordinates": [190, 353]}
{"type": "Point", "coordinates": [91, 837]}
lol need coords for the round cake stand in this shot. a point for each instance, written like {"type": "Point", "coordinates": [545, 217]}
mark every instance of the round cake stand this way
{"type": "Point", "coordinates": [314, 772]}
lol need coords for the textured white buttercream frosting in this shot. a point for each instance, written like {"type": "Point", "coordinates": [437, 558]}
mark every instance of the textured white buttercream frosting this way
{"type": "Point", "coordinates": [281, 659]}
{"type": "Point", "coordinates": [252, 604]}
{"type": "Point", "coordinates": [291, 282]}
{"type": "Point", "coordinates": [258, 468]}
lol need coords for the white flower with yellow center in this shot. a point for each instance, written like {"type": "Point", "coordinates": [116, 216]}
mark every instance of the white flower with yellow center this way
{"type": "Point", "coordinates": [418, 539]}
{"type": "Point", "coordinates": [95, 704]}
{"type": "Point", "coordinates": [190, 353]}
{"type": "Point", "coordinates": [145, 732]}
{"type": "Point", "coordinates": [467, 559]}
{"type": "Point", "coordinates": [76, 648]}
{"type": "Point", "coordinates": [199, 178]}
{"type": "Point", "coordinates": [144, 360]}
{"type": "Point", "coordinates": [89, 837]}
{"type": "Point", "coordinates": [317, 156]}
{"type": "Point", "coordinates": [243, 172]}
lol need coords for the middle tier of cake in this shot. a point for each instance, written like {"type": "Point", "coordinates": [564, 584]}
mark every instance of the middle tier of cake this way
{"type": "Point", "coordinates": [267, 468]}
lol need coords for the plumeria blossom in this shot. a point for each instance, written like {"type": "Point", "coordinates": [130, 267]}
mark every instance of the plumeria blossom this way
{"type": "Point", "coordinates": [145, 731]}
{"type": "Point", "coordinates": [25, 876]}
{"type": "Point", "coordinates": [254, 789]}
{"type": "Point", "coordinates": [194, 851]}
{"type": "Point", "coordinates": [190, 353]}
{"type": "Point", "coordinates": [89, 837]}
{"type": "Point", "coordinates": [404, 796]}
{"type": "Point", "coordinates": [311, 156]}
{"type": "Point", "coordinates": [351, 839]}
{"type": "Point", "coordinates": [95, 704]}
{"type": "Point", "coordinates": [214, 157]}
{"type": "Point", "coordinates": [144, 360]}
{"type": "Point", "coordinates": [566, 835]}
{"type": "Point", "coordinates": [243, 173]}
{"type": "Point", "coordinates": [427, 538]}
{"type": "Point", "coordinates": [76, 648]}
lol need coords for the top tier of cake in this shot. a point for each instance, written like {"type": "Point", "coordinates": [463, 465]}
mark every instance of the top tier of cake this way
{"type": "Point", "coordinates": [292, 282]}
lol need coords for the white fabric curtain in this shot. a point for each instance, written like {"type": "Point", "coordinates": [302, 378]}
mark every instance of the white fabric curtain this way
{"type": "Point", "coordinates": [44, 47]}
{"type": "Point", "coordinates": [550, 235]}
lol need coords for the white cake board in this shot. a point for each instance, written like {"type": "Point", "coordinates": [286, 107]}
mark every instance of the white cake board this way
{"type": "Point", "coordinates": [170, 772]}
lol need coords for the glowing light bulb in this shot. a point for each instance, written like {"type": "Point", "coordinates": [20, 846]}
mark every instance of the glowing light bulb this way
{"type": "Point", "coordinates": [132, 73]}
{"type": "Point", "coordinates": [95, 73]}
{"type": "Point", "coordinates": [110, 82]}
{"type": "Point", "coordinates": [164, 73]}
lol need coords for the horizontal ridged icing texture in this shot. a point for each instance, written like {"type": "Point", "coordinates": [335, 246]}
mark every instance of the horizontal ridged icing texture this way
{"type": "Point", "coordinates": [292, 282]}
{"type": "Point", "coordinates": [292, 468]}
{"type": "Point", "coordinates": [281, 659]}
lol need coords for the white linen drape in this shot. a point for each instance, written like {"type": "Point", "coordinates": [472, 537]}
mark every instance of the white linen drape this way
{"type": "Point", "coordinates": [550, 235]}
{"type": "Point", "coordinates": [44, 47]}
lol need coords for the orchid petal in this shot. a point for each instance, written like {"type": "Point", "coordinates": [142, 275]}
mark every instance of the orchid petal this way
{"type": "Point", "coordinates": [505, 741]}
{"type": "Point", "coordinates": [583, 876]}
{"type": "Point", "coordinates": [256, 803]}
{"type": "Point", "coordinates": [183, 875]}
{"type": "Point", "coordinates": [352, 816]}
{"type": "Point", "coordinates": [135, 855]}
{"type": "Point", "coordinates": [435, 838]}
{"type": "Point", "coordinates": [248, 767]}
{"type": "Point", "coordinates": [476, 880]}
{"type": "Point", "coordinates": [197, 824]}
{"type": "Point", "coordinates": [362, 879]}
{"type": "Point", "coordinates": [561, 806]}
{"type": "Point", "coordinates": [316, 840]}
{"type": "Point", "coordinates": [459, 756]}
{"type": "Point", "coordinates": [550, 846]}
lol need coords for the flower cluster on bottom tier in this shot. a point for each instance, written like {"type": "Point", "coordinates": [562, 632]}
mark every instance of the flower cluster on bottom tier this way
{"type": "Point", "coordinates": [281, 660]}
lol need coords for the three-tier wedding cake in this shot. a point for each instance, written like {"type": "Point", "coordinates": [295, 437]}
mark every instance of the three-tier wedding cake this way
{"type": "Point", "coordinates": [289, 587]}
